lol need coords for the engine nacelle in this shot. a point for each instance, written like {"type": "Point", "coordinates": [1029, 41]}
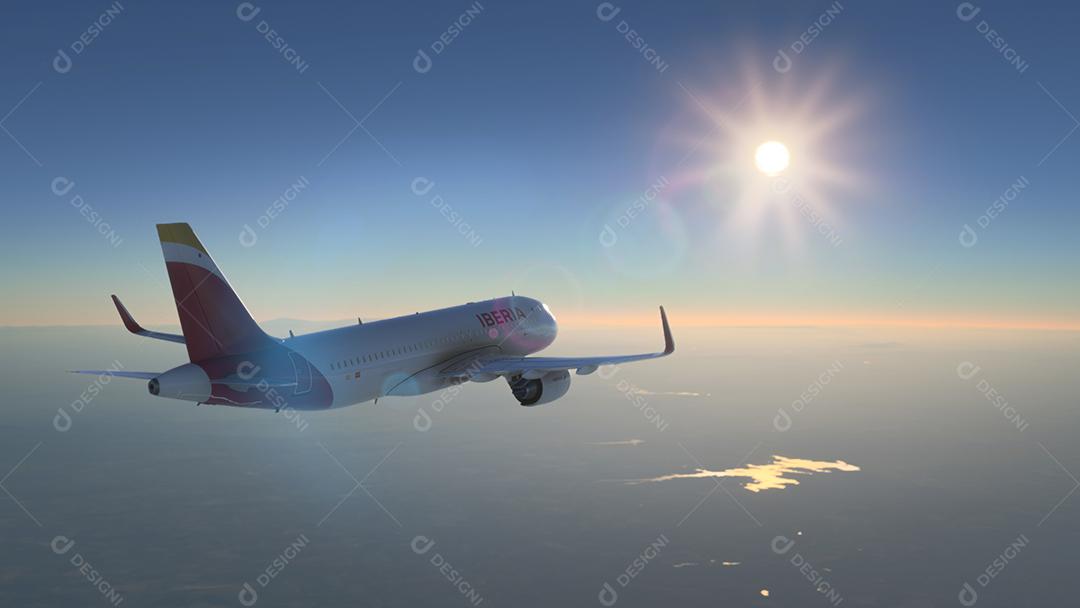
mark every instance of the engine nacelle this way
{"type": "Point", "coordinates": [536, 391]}
{"type": "Point", "coordinates": [188, 382]}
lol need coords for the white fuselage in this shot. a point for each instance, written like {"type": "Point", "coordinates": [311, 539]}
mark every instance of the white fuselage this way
{"type": "Point", "coordinates": [406, 355]}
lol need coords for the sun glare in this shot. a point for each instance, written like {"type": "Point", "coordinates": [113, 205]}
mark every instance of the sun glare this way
{"type": "Point", "coordinates": [772, 157]}
{"type": "Point", "coordinates": [808, 154]}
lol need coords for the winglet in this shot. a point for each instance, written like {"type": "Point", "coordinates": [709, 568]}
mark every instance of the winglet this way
{"type": "Point", "coordinates": [125, 316]}
{"type": "Point", "coordinates": [133, 326]}
{"type": "Point", "coordinates": [669, 342]}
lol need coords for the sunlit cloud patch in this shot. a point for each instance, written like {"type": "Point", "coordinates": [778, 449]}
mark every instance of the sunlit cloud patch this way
{"type": "Point", "coordinates": [772, 476]}
{"type": "Point", "coordinates": [621, 442]}
{"type": "Point", "coordinates": [642, 391]}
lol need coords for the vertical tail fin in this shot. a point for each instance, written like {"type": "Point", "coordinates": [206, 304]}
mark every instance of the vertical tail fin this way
{"type": "Point", "coordinates": [213, 319]}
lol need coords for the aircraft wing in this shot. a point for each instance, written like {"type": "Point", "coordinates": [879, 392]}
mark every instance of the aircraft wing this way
{"type": "Point", "coordinates": [534, 367]}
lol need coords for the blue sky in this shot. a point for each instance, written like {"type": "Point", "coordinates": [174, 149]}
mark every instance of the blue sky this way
{"type": "Point", "coordinates": [538, 125]}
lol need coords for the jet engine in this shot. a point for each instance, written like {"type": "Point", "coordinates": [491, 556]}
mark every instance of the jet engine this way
{"type": "Point", "coordinates": [188, 382]}
{"type": "Point", "coordinates": [535, 391]}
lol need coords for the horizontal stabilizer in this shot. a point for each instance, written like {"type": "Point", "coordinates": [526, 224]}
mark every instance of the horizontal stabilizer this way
{"type": "Point", "coordinates": [134, 327]}
{"type": "Point", "coordinates": [117, 374]}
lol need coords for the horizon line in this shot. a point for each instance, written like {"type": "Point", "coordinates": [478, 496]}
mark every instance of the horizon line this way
{"type": "Point", "coordinates": [698, 321]}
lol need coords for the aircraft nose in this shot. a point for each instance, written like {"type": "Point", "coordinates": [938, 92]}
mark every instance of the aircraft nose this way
{"type": "Point", "coordinates": [548, 327]}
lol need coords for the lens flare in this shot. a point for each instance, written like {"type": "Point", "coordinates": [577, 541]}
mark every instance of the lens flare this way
{"type": "Point", "coordinates": [771, 158]}
{"type": "Point", "coordinates": [810, 149]}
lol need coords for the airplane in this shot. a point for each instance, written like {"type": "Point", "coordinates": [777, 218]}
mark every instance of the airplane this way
{"type": "Point", "coordinates": [233, 362]}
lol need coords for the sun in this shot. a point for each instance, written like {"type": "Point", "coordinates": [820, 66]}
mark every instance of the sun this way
{"type": "Point", "coordinates": [777, 158]}
{"type": "Point", "coordinates": [771, 158]}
